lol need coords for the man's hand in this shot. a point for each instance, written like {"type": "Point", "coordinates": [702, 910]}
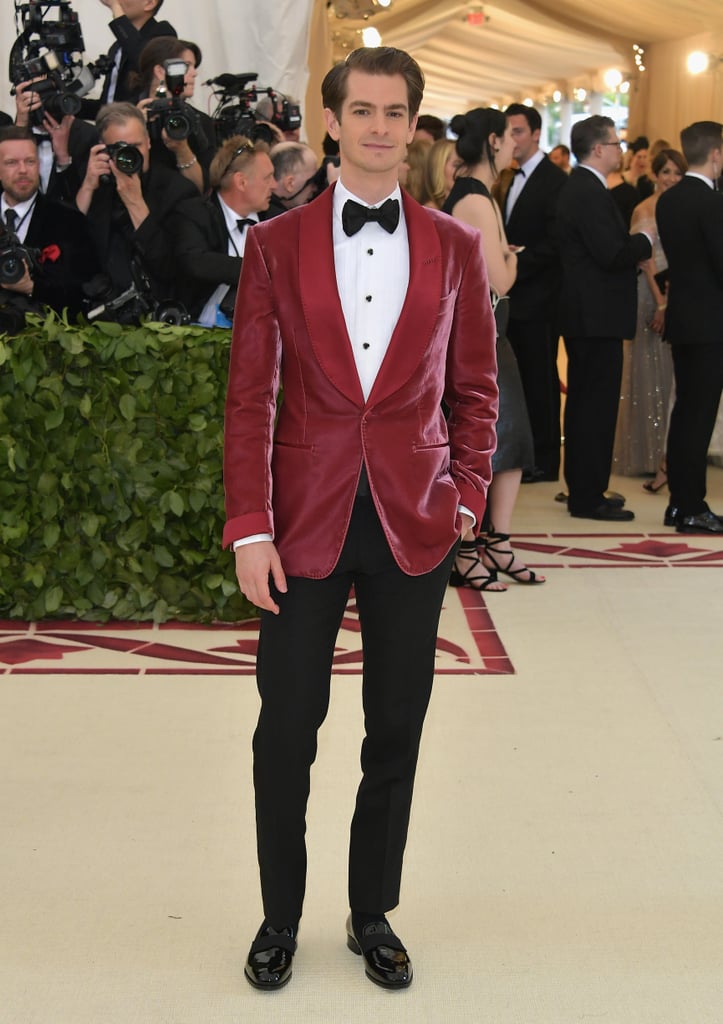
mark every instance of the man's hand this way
{"type": "Point", "coordinates": [24, 286]}
{"type": "Point", "coordinates": [254, 563]}
{"type": "Point", "coordinates": [98, 164]}
{"type": "Point", "coordinates": [59, 135]}
{"type": "Point", "coordinates": [26, 100]}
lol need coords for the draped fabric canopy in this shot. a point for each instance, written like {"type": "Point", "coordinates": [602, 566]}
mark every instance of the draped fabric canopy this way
{"type": "Point", "coordinates": [521, 48]}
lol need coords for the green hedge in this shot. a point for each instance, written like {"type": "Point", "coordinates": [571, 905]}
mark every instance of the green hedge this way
{"type": "Point", "coordinates": [111, 495]}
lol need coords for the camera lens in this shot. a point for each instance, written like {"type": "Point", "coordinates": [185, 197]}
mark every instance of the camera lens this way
{"type": "Point", "coordinates": [69, 104]}
{"type": "Point", "coordinates": [128, 160]}
{"type": "Point", "coordinates": [12, 268]}
{"type": "Point", "coordinates": [177, 126]}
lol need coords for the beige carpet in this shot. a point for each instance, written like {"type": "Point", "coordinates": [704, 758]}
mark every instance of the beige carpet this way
{"type": "Point", "coordinates": [565, 860]}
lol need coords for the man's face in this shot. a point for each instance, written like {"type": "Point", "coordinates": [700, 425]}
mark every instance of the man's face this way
{"type": "Point", "coordinates": [611, 152]}
{"type": "Point", "coordinates": [19, 169]}
{"type": "Point", "coordinates": [138, 9]}
{"type": "Point", "coordinates": [132, 133]}
{"type": "Point", "coordinates": [374, 129]}
{"type": "Point", "coordinates": [526, 141]}
{"type": "Point", "coordinates": [258, 183]}
{"type": "Point", "coordinates": [559, 158]}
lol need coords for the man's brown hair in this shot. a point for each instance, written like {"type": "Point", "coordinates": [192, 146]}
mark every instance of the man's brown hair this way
{"type": "Point", "coordinates": [235, 154]}
{"type": "Point", "coordinates": [698, 139]}
{"type": "Point", "coordinates": [373, 60]}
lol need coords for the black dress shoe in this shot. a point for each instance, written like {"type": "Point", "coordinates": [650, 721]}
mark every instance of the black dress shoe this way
{"type": "Point", "coordinates": [270, 958]}
{"type": "Point", "coordinates": [606, 512]}
{"type": "Point", "coordinates": [672, 514]}
{"type": "Point", "coordinates": [704, 522]}
{"type": "Point", "coordinates": [385, 959]}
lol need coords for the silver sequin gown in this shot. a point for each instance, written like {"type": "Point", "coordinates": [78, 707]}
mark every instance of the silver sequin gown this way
{"type": "Point", "coordinates": [647, 385]}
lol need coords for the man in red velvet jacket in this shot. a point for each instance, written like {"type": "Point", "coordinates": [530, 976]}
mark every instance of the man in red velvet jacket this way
{"type": "Point", "coordinates": [371, 310]}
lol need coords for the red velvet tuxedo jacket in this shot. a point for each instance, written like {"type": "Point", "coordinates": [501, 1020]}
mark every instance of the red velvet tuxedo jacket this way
{"type": "Point", "coordinates": [296, 476]}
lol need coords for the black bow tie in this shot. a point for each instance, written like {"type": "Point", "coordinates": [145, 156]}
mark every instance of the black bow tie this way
{"type": "Point", "coordinates": [518, 170]}
{"type": "Point", "coordinates": [245, 222]}
{"type": "Point", "coordinates": [354, 216]}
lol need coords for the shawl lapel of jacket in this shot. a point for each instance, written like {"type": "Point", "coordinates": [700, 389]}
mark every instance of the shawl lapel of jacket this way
{"type": "Point", "coordinates": [415, 326]}
{"type": "Point", "coordinates": [320, 298]}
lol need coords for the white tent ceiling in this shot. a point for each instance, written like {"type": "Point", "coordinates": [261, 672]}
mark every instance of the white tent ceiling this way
{"type": "Point", "coordinates": [526, 48]}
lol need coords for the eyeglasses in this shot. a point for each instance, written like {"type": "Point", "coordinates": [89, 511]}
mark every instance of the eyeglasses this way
{"type": "Point", "coordinates": [245, 147]}
{"type": "Point", "coordinates": [618, 144]}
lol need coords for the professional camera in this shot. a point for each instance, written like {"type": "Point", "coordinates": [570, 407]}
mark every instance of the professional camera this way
{"type": "Point", "coordinates": [235, 115]}
{"type": "Point", "coordinates": [128, 159]}
{"type": "Point", "coordinates": [134, 304]}
{"type": "Point", "coordinates": [14, 258]}
{"type": "Point", "coordinates": [52, 50]}
{"type": "Point", "coordinates": [169, 111]}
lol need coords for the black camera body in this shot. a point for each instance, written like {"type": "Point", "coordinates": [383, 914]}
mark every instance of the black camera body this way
{"type": "Point", "coordinates": [169, 112]}
{"type": "Point", "coordinates": [14, 258]}
{"type": "Point", "coordinates": [51, 50]}
{"type": "Point", "coordinates": [134, 304]}
{"type": "Point", "coordinates": [128, 159]}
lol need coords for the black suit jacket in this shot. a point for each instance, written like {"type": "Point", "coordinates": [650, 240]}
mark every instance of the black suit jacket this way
{"type": "Point", "coordinates": [67, 255]}
{"type": "Point", "coordinates": [690, 224]}
{"type": "Point", "coordinates": [130, 41]}
{"type": "Point", "coordinates": [153, 243]}
{"type": "Point", "coordinates": [598, 298]}
{"type": "Point", "coordinates": [532, 224]}
{"type": "Point", "coordinates": [202, 252]}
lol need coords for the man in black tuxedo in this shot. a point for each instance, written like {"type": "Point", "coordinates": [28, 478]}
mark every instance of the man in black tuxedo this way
{"type": "Point", "coordinates": [532, 330]}
{"type": "Point", "coordinates": [134, 24]}
{"type": "Point", "coordinates": [63, 255]}
{"type": "Point", "coordinates": [130, 214]}
{"type": "Point", "coordinates": [598, 307]}
{"type": "Point", "coordinates": [212, 233]}
{"type": "Point", "coordinates": [690, 222]}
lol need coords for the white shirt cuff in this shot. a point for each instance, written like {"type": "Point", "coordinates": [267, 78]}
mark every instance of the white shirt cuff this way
{"type": "Point", "coordinates": [253, 539]}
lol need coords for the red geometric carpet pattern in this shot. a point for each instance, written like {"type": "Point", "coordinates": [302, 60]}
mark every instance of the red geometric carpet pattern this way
{"type": "Point", "coordinates": [468, 643]}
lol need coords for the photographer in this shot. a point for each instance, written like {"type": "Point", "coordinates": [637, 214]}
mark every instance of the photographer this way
{"type": "Point", "coordinates": [191, 154]}
{"type": "Point", "coordinates": [63, 144]}
{"type": "Point", "coordinates": [134, 24]}
{"type": "Point", "coordinates": [128, 203]}
{"type": "Point", "coordinates": [212, 232]}
{"type": "Point", "coordinates": [46, 252]}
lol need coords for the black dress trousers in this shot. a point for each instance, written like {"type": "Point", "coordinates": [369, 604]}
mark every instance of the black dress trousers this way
{"type": "Point", "coordinates": [399, 618]}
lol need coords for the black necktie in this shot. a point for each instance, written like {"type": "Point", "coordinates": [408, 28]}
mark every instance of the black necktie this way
{"type": "Point", "coordinates": [354, 216]}
{"type": "Point", "coordinates": [245, 222]}
{"type": "Point", "coordinates": [11, 219]}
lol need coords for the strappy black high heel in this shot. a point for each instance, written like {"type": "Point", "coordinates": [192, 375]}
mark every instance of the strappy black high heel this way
{"type": "Point", "coordinates": [470, 571]}
{"type": "Point", "coordinates": [503, 558]}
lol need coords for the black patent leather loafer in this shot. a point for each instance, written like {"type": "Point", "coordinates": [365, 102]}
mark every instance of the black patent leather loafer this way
{"type": "Point", "coordinates": [268, 965]}
{"type": "Point", "coordinates": [704, 522]}
{"type": "Point", "coordinates": [385, 958]}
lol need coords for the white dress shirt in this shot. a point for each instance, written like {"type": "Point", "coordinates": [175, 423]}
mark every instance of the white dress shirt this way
{"type": "Point", "coordinates": [236, 247]}
{"type": "Point", "coordinates": [520, 180]}
{"type": "Point", "coordinates": [24, 214]}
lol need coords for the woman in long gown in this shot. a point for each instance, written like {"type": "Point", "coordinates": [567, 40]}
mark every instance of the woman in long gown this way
{"type": "Point", "coordinates": [647, 380]}
{"type": "Point", "coordinates": [484, 143]}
